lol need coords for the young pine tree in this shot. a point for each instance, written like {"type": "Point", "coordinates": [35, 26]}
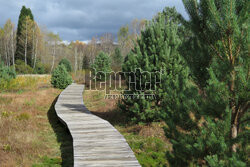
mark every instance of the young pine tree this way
{"type": "Point", "coordinates": [6, 73]}
{"type": "Point", "coordinates": [66, 63]}
{"type": "Point", "coordinates": [154, 53]}
{"type": "Point", "coordinates": [60, 77]}
{"type": "Point", "coordinates": [117, 59]}
{"type": "Point", "coordinates": [101, 65]}
{"type": "Point", "coordinates": [85, 62]}
{"type": "Point", "coordinates": [211, 128]}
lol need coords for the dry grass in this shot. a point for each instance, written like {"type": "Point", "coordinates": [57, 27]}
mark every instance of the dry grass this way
{"type": "Point", "coordinates": [26, 133]}
{"type": "Point", "coordinates": [21, 83]}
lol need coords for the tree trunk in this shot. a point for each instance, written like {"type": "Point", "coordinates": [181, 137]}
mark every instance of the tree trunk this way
{"type": "Point", "coordinates": [75, 59]}
{"type": "Point", "coordinates": [33, 43]}
{"type": "Point", "coordinates": [26, 43]}
{"type": "Point", "coordinates": [81, 61]}
{"type": "Point", "coordinates": [234, 132]}
{"type": "Point", "coordinates": [6, 53]}
{"type": "Point", "coordinates": [53, 62]}
{"type": "Point", "coordinates": [234, 122]}
{"type": "Point", "coordinates": [35, 52]}
{"type": "Point", "coordinates": [13, 49]}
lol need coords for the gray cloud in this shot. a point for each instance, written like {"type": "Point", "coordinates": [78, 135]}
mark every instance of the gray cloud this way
{"type": "Point", "coordinates": [83, 19]}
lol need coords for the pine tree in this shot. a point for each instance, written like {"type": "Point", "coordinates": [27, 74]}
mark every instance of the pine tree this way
{"type": "Point", "coordinates": [85, 62]}
{"type": "Point", "coordinates": [117, 59]}
{"type": "Point", "coordinates": [210, 128]}
{"type": "Point", "coordinates": [60, 77]}
{"type": "Point", "coordinates": [196, 52]}
{"type": "Point", "coordinates": [67, 64]}
{"type": "Point", "coordinates": [19, 54]}
{"type": "Point", "coordinates": [152, 53]}
{"type": "Point", "coordinates": [193, 49]}
{"type": "Point", "coordinates": [101, 65]}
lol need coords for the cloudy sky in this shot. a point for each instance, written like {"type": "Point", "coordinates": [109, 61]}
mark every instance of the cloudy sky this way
{"type": "Point", "coordinates": [83, 19]}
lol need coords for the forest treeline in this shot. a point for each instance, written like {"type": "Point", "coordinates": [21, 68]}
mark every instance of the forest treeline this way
{"type": "Point", "coordinates": [32, 48]}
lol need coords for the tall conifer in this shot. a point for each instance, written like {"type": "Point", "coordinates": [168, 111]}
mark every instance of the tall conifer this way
{"type": "Point", "coordinates": [153, 54]}
{"type": "Point", "coordinates": [20, 27]}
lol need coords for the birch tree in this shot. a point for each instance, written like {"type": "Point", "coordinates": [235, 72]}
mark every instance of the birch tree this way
{"type": "Point", "coordinates": [37, 40]}
{"type": "Point", "coordinates": [75, 54]}
{"type": "Point", "coordinates": [25, 39]}
{"type": "Point", "coordinates": [54, 40]}
{"type": "Point", "coordinates": [8, 42]}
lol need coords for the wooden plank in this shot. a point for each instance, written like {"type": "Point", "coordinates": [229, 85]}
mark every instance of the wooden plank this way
{"type": "Point", "coordinates": [96, 143]}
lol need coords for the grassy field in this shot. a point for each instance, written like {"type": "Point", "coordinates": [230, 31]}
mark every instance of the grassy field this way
{"type": "Point", "coordinates": [147, 141]}
{"type": "Point", "coordinates": [31, 134]}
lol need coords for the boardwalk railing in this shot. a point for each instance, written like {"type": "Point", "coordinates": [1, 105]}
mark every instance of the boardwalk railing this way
{"type": "Point", "coordinates": [95, 141]}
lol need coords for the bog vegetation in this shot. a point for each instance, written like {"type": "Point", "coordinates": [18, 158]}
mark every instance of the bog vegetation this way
{"type": "Point", "coordinates": [201, 106]}
{"type": "Point", "coordinates": [31, 134]}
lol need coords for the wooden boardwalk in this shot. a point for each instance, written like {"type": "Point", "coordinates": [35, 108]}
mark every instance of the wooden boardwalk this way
{"type": "Point", "coordinates": [95, 141]}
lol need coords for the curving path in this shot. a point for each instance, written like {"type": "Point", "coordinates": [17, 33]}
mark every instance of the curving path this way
{"type": "Point", "coordinates": [95, 141]}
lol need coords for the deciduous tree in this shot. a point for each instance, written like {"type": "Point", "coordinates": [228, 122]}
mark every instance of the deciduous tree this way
{"type": "Point", "coordinates": [25, 41]}
{"type": "Point", "coordinates": [8, 42]}
{"type": "Point", "coordinates": [54, 40]}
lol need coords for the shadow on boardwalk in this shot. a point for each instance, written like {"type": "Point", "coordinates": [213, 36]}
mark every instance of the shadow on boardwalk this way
{"type": "Point", "coordinates": [63, 136]}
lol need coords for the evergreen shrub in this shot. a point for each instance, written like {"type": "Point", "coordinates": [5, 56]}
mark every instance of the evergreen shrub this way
{"type": "Point", "coordinates": [21, 68]}
{"type": "Point", "coordinates": [60, 77]}
{"type": "Point", "coordinates": [67, 64]}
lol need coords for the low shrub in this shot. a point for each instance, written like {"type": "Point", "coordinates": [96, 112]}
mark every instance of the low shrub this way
{"type": "Point", "coordinates": [5, 114]}
{"type": "Point", "coordinates": [21, 68]}
{"type": "Point", "coordinates": [6, 73]}
{"type": "Point", "coordinates": [21, 83]}
{"type": "Point", "coordinates": [23, 117]}
{"type": "Point", "coordinates": [67, 64]}
{"type": "Point", "coordinates": [41, 68]}
{"type": "Point", "coordinates": [60, 77]}
{"type": "Point", "coordinates": [7, 147]}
